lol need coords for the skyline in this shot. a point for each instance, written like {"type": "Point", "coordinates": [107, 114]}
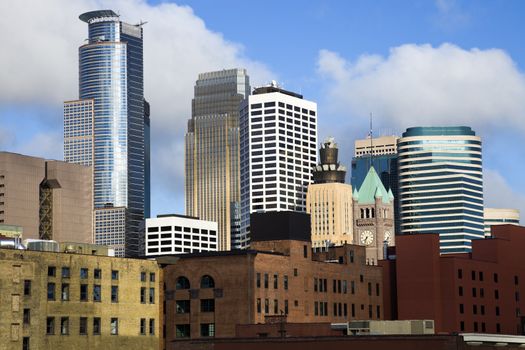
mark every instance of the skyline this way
{"type": "Point", "coordinates": [466, 74]}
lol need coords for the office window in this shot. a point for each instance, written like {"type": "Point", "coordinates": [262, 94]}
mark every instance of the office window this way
{"type": "Point", "coordinates": [83, 326]}
{"type": "Point", "coordinates": [182, 306]}
{"type": "Point", "coordinates": [462, 326]}
{"type": "Point", "coordinates": [316, 308]}
{"type": "Point", "coordinates": [27, 316]}
{"type": "Point", "coordinates": [151, 326]}
{"type": "Point", "coordinates": [114, 275]}
{"type": "Point", "coordinates": [25, 343]}
{"type": "Point", "coordinates": [275, 281]}
{"type": "Point", "coordinates": [83, 292]}
{"type": "Point", "coordinates": [50, 326]}
{"type": "Point", "coordinates": [207, 329]}
{"type": "Point", "coordinates": [143, 277]}
{"type": "Point", "coordinates": [83, 273]}
{"type": "Point", "coordinates": [460, 291]}
{"type": "Point", "coordinates": [516, 280]}
{"type": "Point", "coordinates": [285, 282]}
{"type": "Point", "coordinates": [142, 329]}
{"type": "Point", "coordinates": [64, 325]}
{"type": "Point", "coordinates": [460, 273]}
{"type": "Point", "coordinates": [497, 310]}
{"type": "Point", "coordinates": [27, 287]}
{"type": "Point", "coordinates": [258, 280]}
{"type": "Point", "coordinates": [461, 309]}
{"type": "Point", "coordinates": [143, 295]}
{"type": "Point", "coordinates": [114, 294]}
{"type": "Point", "coordinates": [65, 272]}
{"type": "Point", "coordinates": [473, 275]}
{"type": "Point", "coordinates": [51, 271]}
{"type": "Point", "coordinates": [266, 306]}
{"type": "Point", "coordinates": [97, 274]}
{"type": "Point", "coordinates": [182, 331]}
{"type": "Point", "coordinates": [258, 305]}
{"type": "Point", "coordinates": [295, 272]}
{"type": "Point", "coordinates": [276, 306]}
{"type": "Point", "coordinates": [152, 295]}
{"type": "Point", "coordinates": [265, 280]}
{"type": "Point", "coordinates": [286, 307]}
{"type": "Point", "coordinates": [305, 251]}
{"type": "Point", "coordinates": [495, 278]}
{"type": "Point", "coordinates": [96, 325]}
{"type": "Point", "coordinates": [182, 283]}
{"type": "Point", "coordinates": [207, 305]}
{"type": "Point", "coordinates": [369, 288]}
{"type": "Point", "coordinates": [207, 282]}
{"type": "Point", "coordinates": [50, 291]}
{"type": "Point", "coordinates": [97, 293]}
{"type": "Point", "coordinates": [64, 292]}
{"type": "Point", "coordinates": [114, 326]}
{"type": "Point", "coordinates": [496, 294]}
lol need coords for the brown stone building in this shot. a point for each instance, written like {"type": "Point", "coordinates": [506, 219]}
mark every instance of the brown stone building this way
{"type": "Point", "coordinates": [57, 301]}
{"type": "Point", "coordinates": [482, 291]}
{"type": "Point", "coordinates": [208, 294]}
{"type": "Point", "coordinates": [49, 199]}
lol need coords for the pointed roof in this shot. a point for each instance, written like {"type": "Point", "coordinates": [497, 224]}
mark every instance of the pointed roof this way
{"type": "Point", "coordinates": [371, 189]}
{"type": "Point", "coordinates": [355, 195]}
{"type": "Point", "coordinates": [390, 194]}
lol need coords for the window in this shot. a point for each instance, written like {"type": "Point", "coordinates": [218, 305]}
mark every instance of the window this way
{"type": "Point", "coordinates": [461, 309]}
{"type": "Point", "coordinates": [83, 292]}
{"type": "Point", "coordinates": [207, 282]}
{"type": "Point", "coordinates": [460, 291]}
{"type": "Point", "coordinates": [276, 306]}
{"type": "Point", "coordinates": [114, 326]}
{"type": "Point", "coordinates": [25, 343]}
{"type": "Point", "coordinates": [152, 276]}
{"type": "Point", "coordinates": [114, 294]}
{"type": "Point", "coordinates": [65, 272]}
{"type": "Point", "coordinates": [182, 306]}
{"type": "Point", "coordinates": [27, 316]}
{"type": "Point", "coordinates": [182, 331]}
{"type": "Point", "coordinates": [64, 292]}
{"type": "Point", "coordinates": [266, 280]}
{"type": "Point", "coordinates": [97, 293]}
{"type": "Point", "coordinates": [51, 291]}
{"type": "Point", "coordinates": [295, 272]}
{"type": "Point", "coordinates": [462, 325]}
{"type": "Point", "coordinates": [460, 273]}
{"type": "Point", "coordinates": [114, 275]}
{"type": "Point", "coordinates": [496, 294]}
{"type": "Point", "coordinates": [352, 287]}
{"type": "Point", "coordinates": [473, 275]}
{"type": "Point", "coordinates": [151, 326]}
{"type": "Point", "coordinates": [495, 278]}
{"type": "Point", "coordinates": [361, 278]}
{"type": "Point", "coordinates": [182, 283]}
{"type": "Point", "coordinates": [96, 325]}
{"type": "Point", "coordinates": [286, 307]}
{"type": "Point", "coordinates": [207, 329]}
{"type": "Point", "coordinates": [143, 277]}
{"type": "Point", "coordinates": [258, 305]}
{"type": "Point", "coordinates": [369, 288]}
{"type": "Point", "coordinates": [266, 306]}
{"type": "Point", "coordinates": [474, 292]}
{"type": "Point", "coordinates": [275, 281]}
{"type": "Point", "coordinates": [143, 295]}
{"type": "Point", "coordinates": [64, 325]}
{"type": "Point", "coordinates": [27, 287]}
{"type": "Point", "coordinates": [516, 281]}
{"type": "Point", "coordinates": [285, 282]}
{"type": "Point", "coordinates": [207, 305]}
{"type": "Point", "coordinates": [345, 287]}
{"type": "Point", "coordinates": [152, 295]}
{"type": "Point", "coordinates": [305, 251]}
{"type": "Point", "coordinates": [97, 274]}
{"type": "Point", "coordinates": [258, 280]}
{"type": "Point", "coordinates": [50, 326]}
{"type": "Point", "coordinates": [497, 310]}
{"type": "Point", "coordinates": [142, 326]}
{"type": "Point", "coordinates": [351, 256]}
{"type": "Point", "coordinates": [83, 326]}
{"type": "Point", "coordinates": [51, 271]}
{"type": "Point", "coordinates": [480, 275]}
{"type": "Point", "coordinates": [83, 273]}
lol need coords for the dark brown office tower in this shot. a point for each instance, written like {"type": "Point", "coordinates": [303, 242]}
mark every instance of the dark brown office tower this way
{"type": "Point", "coordinates": [329, 170]}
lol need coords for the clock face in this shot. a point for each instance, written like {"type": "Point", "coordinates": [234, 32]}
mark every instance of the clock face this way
{"type": "Point", "coordinates": [388, 235]}
{"type": "Point", "coordinates": [367, 237]}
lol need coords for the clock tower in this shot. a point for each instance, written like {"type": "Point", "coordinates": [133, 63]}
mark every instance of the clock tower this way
{"type": "Point", "coordinates": [373, 209]}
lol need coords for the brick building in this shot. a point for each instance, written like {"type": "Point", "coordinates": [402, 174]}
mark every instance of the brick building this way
{"type": "Point", "coordinates": [208, 294]}
{"type": "Point", "coordinates": [482, 291]}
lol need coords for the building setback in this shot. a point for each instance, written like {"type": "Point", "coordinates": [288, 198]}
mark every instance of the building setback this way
{"type": "Point", "coordinates": [479, 292]}
{"type": "Point", "coordinates": [176, 234]}
{"type": "Point", "coordinates": [278, 151]}
{"type": "Point", "coordinates": [108, 128]}
{"type": "Point", "coordinates": [441, 185]}
{"type": "Point", "coordinates": [499, 216]}
{"type": "Point", "coordinates": [51, 300]}
{"type": "Point", "coordinates": [49, 199]}
{"type": "Point", "coordinates": [208, 294]}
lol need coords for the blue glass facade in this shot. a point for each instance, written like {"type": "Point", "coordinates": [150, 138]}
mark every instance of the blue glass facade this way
{"type": "Point", "coordinates": [111, 75]}
{"type": "Point", "coordinates": [441, 185]}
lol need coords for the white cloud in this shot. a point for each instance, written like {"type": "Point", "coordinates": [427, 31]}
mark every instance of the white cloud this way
{"type": "Point", "coordinates": [39, 63]}
{"type": "Point", "coordinates": [425, 85]}
{"type": "Point", "coordinates": [499, 194]}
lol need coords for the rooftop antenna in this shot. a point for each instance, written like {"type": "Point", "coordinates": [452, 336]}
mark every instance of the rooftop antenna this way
{"type": "Point", "coordinates": [370, 134]}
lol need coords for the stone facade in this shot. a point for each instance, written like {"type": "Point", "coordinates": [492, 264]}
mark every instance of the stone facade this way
{"type": "Point", "coordinates": [44, 305]}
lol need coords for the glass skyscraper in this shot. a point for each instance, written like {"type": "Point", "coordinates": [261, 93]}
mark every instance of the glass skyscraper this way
{"type": "Point", "coordinates": [441, 185]}
{"type": "Point", "coordinates": [212, 190]}
{"type": "Point", "coordinates": [106, 128]}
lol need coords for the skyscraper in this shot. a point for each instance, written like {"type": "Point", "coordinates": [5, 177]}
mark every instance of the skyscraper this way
{"type": "Point", "coordinates": [105, 128]}
{"type": "Point", "coordinates": [212, 189]}
{"type": "Point", "coordinates": [499, 216]}
{"type": "Point", "coordinates": [278, 152]}
{"type": "Point", "coordinates": [329, 200]}
{"type": "Point", "coordinates": [441, 185]}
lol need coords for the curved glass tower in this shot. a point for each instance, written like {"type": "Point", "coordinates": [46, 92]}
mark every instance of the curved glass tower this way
{"type": "Point", "coordinates": [441, 185]}
{"type": "Point", "coordinates": [111, 77]}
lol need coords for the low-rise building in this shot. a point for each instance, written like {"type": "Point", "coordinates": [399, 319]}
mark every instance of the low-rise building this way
{"type": "Point", "coordinates": [208, 294]}
{"type": "Point", "coordinates": [499, 216]}
{"type": "Point", "coordinates": [54, 300]}
{"type": "Point", "coordinates": [178, 234]}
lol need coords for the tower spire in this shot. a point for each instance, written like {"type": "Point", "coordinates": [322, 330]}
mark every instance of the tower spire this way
{"type": "Point", "coordinates": [370, 134]}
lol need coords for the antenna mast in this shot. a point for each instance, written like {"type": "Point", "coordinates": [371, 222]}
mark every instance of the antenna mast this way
{"type": "Point", "coordinates": [370, 134]}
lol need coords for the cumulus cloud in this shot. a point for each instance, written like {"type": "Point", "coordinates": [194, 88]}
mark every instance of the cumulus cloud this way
{"type": "Point", "coordinates": [40, 65]}
{"type": "Point", "coordinates": [421, 84]}
{"type": "Point", "coordinates": [499, 194]}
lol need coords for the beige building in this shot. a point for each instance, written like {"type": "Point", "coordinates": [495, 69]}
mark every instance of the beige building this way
{"type": "Point", "coordinates": [329, 200]}
{"type": "Point", "coordinates": [379, 145]}
{"type": "Point", "coordinates": [49, 199]}
{"type": "Point", "coordinates": [51, 300]}
{"type": "Point", "coordinates": [499, 216]}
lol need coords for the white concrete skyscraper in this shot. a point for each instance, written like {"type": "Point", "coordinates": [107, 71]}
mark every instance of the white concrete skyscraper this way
{"type": "Point", "coordinates": [278, 153]}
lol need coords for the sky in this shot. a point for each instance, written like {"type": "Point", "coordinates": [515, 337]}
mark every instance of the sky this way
{"type": "Point", "coordinates": [408, 63]}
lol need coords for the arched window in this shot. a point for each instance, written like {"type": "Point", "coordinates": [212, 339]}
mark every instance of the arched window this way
{"type": "Point", "coordinates": [182, 283]}
{"type": "Point", "coordinates": [367, 213]}
{"type": "Point", "coordinates": [362, 213]}
{"type": "Point", "coordinates": [373, 213]}
{"type": "Point", "coordinates": [207, 282]}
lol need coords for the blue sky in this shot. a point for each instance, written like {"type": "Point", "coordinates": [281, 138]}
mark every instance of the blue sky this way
{"type": "Point", "coordinates": [407, 62]}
